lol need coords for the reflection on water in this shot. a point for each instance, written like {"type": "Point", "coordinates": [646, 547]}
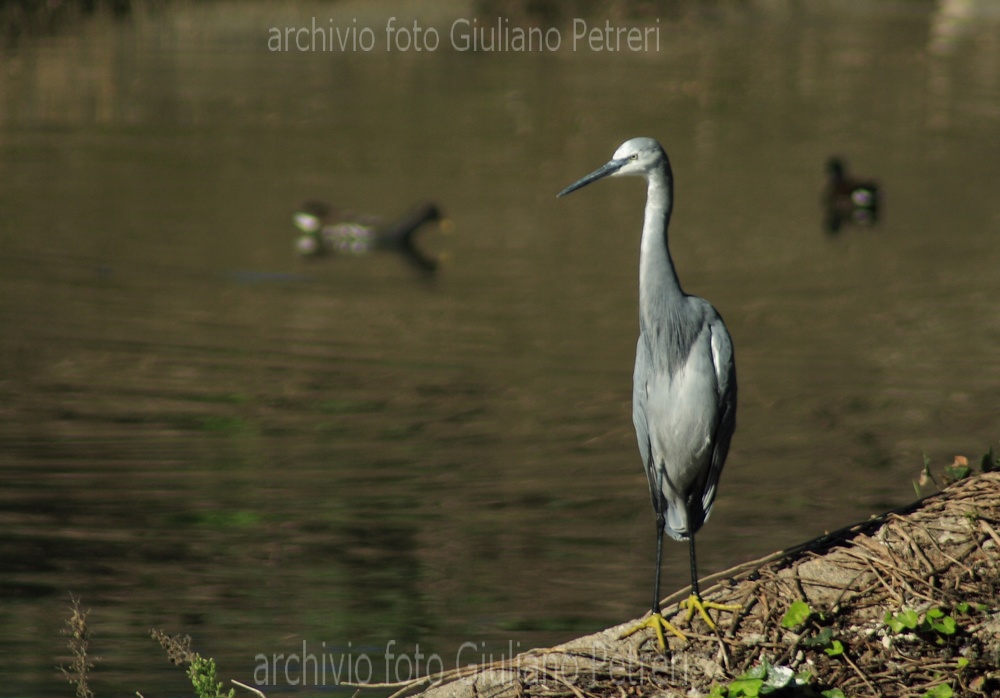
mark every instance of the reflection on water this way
{"type": "Point", "coordinates": [201, 431]}
{"type": "Point", "coordinates": [848, 199]}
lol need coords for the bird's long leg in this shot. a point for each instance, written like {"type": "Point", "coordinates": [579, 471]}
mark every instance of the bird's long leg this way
{"type": "Point", "coordinates": [659, 562]}
{"type": "Point", "coordinates": [694, 567]}
{"type": "Point", "coordinates": [656, 621]}
{"type": "Point", "coordinates": [695, 602]}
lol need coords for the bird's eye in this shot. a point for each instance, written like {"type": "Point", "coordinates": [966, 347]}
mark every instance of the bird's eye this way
{"type": "Point", "coordinates": [633, 157]}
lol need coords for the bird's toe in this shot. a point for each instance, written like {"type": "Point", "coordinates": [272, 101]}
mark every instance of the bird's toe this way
{"type": "Point", "coordinates": [658, 623]}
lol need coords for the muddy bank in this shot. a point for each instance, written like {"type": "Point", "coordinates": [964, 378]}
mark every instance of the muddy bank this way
{"type": "Point", "coordinates": [902, 604]}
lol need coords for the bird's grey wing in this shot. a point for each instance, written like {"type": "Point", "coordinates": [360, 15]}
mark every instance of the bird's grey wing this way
{"type": "Point", "coordinates": [639, 376]}
{"type": "Point", "coordinates": [725, 375]}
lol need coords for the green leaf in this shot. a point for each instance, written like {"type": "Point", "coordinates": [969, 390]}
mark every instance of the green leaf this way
{"type": "Point", "coordinates": [820, 639]}
{"type": "Point", "coordinates": [718, 691]}
{"type": "Point", "coordinates": [962, 607]}
{"type": "Point", "coordinates": [942, 690]}
{"type": "Point", "coordinates": [957, 472]}
{"type": "Point", "coordinates": [945, 626]}
{"type": "Point", "coordinates": [797, 614]}
{"type": "Point", "coordinates": [833, 693]}
{"type": "Point", "coordinates": [779, 676]}
{"type": "Point", "coordinates": [962, 662]}
{"type": "Point", "coordinates": [745, 687]}
{"type": "Point", "coordinates": [835, 649]}
{"type": "Point", "coordinates": [989, 463]}
{"type": "Point", "coordinates": [897, 622]}
{"type": "Point", "coordinates": [938, 621]}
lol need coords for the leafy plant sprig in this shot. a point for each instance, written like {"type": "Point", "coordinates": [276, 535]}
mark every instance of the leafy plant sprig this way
{"type": "Point", "coordinates": [761, 680]}
{"type": "Point", "coordinates": [937, 623]}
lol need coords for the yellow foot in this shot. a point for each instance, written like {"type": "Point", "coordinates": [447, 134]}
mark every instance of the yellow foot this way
{"type": "Point", "coordinates": [657, 622]}
{"type": "Point", "coordinates": [695, 603]}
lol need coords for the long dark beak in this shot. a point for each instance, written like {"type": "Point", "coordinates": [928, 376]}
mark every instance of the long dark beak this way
{"type": "Point", "coordinates": [597, 174]}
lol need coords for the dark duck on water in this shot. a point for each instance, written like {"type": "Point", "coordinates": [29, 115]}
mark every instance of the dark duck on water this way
{"type": "Point", "coordinates": [328, 231]}
{"type": "Point", "coordinates": [848, 199]}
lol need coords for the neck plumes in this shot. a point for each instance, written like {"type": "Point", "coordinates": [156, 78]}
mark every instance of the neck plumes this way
{"type": "Point", "coordinates": [657, 278]}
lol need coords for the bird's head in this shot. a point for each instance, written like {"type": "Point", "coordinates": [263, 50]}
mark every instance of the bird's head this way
{"type": "Point", "coordinates": [312, 215]}
{"type": "Point", "coordinates": [638, 156]}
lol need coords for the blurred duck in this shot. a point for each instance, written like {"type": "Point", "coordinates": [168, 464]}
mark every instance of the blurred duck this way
{"type": "Point", "coordinates": [847, 199]}
{"type": "Point", "coordinates": [327, 231]}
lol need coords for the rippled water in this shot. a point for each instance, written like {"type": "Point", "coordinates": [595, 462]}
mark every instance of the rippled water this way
{"type": "Point", "coordinates": [201, 432]}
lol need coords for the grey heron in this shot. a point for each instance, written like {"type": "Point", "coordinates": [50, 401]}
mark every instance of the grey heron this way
{"type": "Point", "coordinates": [684, 383]}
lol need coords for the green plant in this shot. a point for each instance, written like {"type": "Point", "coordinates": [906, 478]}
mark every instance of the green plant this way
{"type": "Point", "coordinates": [201, 671]}
{"type": "Point", "coordinates": [937, 623]}
{"type": "Point", "coordinates": [989, 462]}
{"type": "Point", "coordinates": [942, 690]}
{"type": "Point", "coordinates": [835, 649]}
{"type": "Point", "coordinates": [798, 614]}
{"type": "Point", "coordinates": [936, 620]}
{"type": "Point", "coordinates": [904, 620]}
{"type": "Point", "coordinates": [761, 680]}
{"type": "Point", "coordinates": [958, 470]}
{"type": "Point", "coordinates": [203, 678]}
{"type": "Point", "coordinates": [965, 607]}
{"type": "Point", "coordinates": [926, 477]}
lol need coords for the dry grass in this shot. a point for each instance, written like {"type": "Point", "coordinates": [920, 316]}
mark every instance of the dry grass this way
{"type": "Point", "coordinates": [78, 671]}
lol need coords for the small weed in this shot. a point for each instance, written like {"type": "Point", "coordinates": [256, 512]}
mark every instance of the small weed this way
{"type": "Point", "coordinates": [824, 638]}
{"type": "Point", "coordinates": [937, 624]}
{"type": "Point", "coordinates": [965, 607]}
{"type": "Point", "coordinates": [203, 678]}
{"type": "Point", "coordinates": [178, 647]}
{"type": "Point", "coordinates": [958, 470]}
{"type": "Point", "coordinates": [797, 614]}
{"type": "Point", "coordinates": [902, 621]}
{"type": "Point", "coordinates": [935, 620]}
{"type": "Point", "coordinates": [201, 671]}
{"type": "Point", "coordinates": [78, 671]}
{"type": "Point", "coordinates": [759, 681]}
{"type": "Point", "coordinates": [835, 649]}
{"type": "Point", "coordinates": [989, 462]}
{"type": "Point", "coordinates": [942, 690]}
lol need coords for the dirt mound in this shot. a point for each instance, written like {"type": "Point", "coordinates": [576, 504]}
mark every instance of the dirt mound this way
{"type": "Point", "coordinates": [903, 604]}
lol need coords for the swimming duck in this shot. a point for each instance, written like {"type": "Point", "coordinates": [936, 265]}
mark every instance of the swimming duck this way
{"type": "Point", "coordinates": [326, 231]}
{"type": "Point", "coordinates": [848, 199]}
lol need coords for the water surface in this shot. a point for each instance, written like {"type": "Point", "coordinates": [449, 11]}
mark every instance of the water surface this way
{"type": "Point", "coordinates": [200, 432]}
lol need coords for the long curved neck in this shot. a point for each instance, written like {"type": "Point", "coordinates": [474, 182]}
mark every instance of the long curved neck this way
{"type": "Point", "coordinates": [658, 283]}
